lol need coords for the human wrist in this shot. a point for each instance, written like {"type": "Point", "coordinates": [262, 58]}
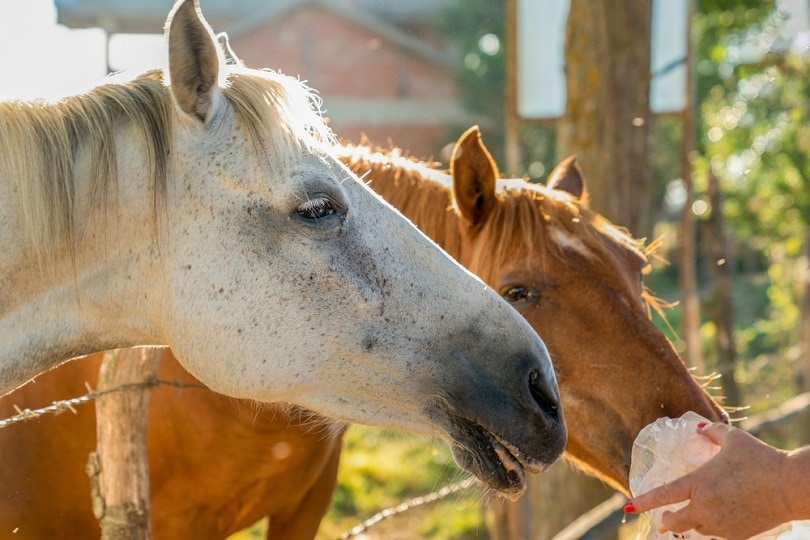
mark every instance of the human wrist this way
{"type": "Point", "coordinates": [796, 483]}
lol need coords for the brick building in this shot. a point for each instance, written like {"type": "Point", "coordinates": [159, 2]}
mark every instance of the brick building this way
{"type": "Point", "coordinates": [381, 66]}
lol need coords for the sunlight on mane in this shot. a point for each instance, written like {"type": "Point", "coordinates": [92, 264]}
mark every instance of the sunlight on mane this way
{"type": "Point", "coordinates": [534, 210]}
{"type": "Point", "coordinates": [40, 142]}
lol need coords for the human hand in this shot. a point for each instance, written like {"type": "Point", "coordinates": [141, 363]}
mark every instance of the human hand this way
{"type": "Point", "coordinates": [740, 492]}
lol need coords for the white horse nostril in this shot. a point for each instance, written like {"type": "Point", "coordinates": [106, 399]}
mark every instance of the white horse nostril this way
{"type": "Point", "coordinates": [542, 395]}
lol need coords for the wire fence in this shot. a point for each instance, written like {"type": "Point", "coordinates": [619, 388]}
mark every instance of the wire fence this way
{"type": "Point", "coordinates": [62, 405]}
{"type": "Point", "coordinates": [789, 411]}
{"type": "Point", "coordinates": [410, 504]}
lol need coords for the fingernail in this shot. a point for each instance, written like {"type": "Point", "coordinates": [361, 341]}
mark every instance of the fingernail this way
{"type": "Point", "coordinates": [630, 508]}
{"type": "Point", "coordinates": [702, 425]}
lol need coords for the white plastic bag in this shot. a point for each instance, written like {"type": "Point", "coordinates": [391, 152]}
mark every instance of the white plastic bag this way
{"type": "Point", "coordinates": [668, 449]}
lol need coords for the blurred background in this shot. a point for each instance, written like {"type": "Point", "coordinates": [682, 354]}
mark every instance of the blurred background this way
{"type": "Point", "coordinates": [691, 120]}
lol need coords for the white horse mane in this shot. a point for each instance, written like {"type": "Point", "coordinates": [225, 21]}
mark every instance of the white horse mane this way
{"type": "Point", "coordinates": [40, 142]}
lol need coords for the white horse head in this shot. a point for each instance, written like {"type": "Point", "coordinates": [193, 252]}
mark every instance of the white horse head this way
{"type": "Point", "coordinates": [210, 216]}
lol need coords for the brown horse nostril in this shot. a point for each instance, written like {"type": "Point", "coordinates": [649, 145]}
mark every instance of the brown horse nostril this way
{"type": "Point", "coordinates": [542, 395]}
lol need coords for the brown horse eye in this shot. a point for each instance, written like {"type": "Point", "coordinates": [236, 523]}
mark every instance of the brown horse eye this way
{"type": "Point", "coordinates": [518, 293]}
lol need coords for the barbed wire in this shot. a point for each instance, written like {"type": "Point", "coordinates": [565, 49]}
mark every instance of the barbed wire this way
{"type": "Point", "coordinates": [62, 405]}
{"type": "Point", "coordinates": [391, 511]}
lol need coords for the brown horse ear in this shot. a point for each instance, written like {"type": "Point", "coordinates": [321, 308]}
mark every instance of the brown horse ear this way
{"type": "Point", "coordinates": [567, 176]}
{"type": "Point", "coordinates": [474, 174]}
{"type": "Point", "coordinates": [193, 59]}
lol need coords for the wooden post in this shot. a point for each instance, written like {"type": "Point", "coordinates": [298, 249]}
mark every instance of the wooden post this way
{"type": "Point", "coordinates": [606, 121]}
{"type": "Point", "coordinates": [511, 152]}
{"type": "Point", "coordinates": [118, 469]}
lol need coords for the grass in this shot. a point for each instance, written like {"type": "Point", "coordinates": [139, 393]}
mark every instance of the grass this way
{"type": "Point", "coordinates": [381, 469]}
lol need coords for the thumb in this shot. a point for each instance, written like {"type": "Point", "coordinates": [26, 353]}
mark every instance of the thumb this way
{"type": "Point", "coordinates": [670, 493]}
{"type": "Point", "coordinates": [678, 521]}
{"type": "Point", "coordinates": [715, 432]}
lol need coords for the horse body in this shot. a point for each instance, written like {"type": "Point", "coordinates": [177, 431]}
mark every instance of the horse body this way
{"type": "Point", "coordinates": [209, 215]}
{"type": "Point", "coordinates": [572, 271]}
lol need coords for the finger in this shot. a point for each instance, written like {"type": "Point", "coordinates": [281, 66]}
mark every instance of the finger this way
{"type": "Point", "coordinates": [675, 491]}
{"type": "Point", "coordinates": [679, 521]}
{"type": "Point", "coordinates": [715, 432]}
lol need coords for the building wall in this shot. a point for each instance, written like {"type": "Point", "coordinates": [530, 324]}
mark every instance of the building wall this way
{"type": "Point", "coordinates": [369, 84]}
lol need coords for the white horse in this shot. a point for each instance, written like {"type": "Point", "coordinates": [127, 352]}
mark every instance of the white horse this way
{"type": "Point", "coordinates": [277, 275]}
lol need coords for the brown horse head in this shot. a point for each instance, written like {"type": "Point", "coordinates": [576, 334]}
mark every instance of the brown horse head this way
{"type": "Point", "coordinates": [578, 279]}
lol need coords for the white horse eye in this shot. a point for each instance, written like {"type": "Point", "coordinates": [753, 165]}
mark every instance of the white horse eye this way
{"type": "Point", "coordinates": [316, 208]}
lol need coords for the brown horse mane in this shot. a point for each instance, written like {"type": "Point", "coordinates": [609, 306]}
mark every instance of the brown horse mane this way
{"type": "Point", "coordinates": [522, 221]}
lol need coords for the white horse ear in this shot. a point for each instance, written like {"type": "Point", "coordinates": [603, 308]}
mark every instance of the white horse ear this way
{"type": "Point", "coordinates": [230, 57]}
{"type": "Point", "coordinates": [193, 60]}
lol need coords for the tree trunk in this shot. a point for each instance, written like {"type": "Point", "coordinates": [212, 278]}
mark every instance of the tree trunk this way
{"type": "Point", "coordinates": [554, 500]}
{"type": "Point", "coordinates": [687, 264]}
{"type": "Point", "coordinates": [606, 118]}
{"type": "Point", "coordinates": [721, 306]}
{"type": "Point", "coordinates": [511, 520]}
{"type": "Point", "coordinates": [118, 469]}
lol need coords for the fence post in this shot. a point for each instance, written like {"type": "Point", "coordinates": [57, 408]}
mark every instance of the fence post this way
{"type": "Point", "coordinates": [118, 469]}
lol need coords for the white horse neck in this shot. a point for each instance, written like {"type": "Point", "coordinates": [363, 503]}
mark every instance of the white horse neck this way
{"type": "Point", "coordinates": [85, 289]}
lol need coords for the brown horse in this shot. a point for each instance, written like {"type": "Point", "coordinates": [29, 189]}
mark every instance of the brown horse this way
{"type": "Point", "coordinates": [218, 465]}
{"type": "Point", "coordinates": [576, 277]}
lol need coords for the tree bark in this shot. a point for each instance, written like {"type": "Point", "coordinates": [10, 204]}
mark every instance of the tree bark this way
{"type": "Point", "coordinates": [606, 118]}
{"type": "Point", "coordinates": [512, 520]}
{"type": "Point", "coordinates": [118, 469]}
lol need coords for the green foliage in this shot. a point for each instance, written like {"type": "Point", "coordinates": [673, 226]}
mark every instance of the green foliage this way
{"type": "Point", "coordinates": [756, 134]}
{"type": "Point", "coordinates": [720, 27]}
{"type": "Point", "coordinates": [477, 29]}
